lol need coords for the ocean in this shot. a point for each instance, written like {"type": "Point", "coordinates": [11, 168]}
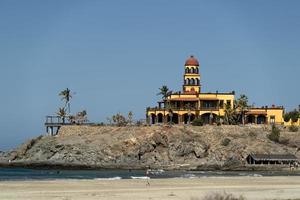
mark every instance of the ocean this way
{"type": "Point", "coordinates": [11, 174]}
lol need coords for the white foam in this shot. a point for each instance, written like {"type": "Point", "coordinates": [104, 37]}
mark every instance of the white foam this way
{"type": "Point", "coordinates": [189, 176]}
{"type": "Point", "coordinates": [257, 175]}
{"type": "Point", "coordinates": [140, 177]}
{"type": "Point", "coordinates": [110, 179]}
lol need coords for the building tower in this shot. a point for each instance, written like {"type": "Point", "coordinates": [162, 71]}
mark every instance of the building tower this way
{"type": "Point", "coordinates": [191, 76]}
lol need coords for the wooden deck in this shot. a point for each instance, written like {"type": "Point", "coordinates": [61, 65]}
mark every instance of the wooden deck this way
{"type": "Point", "coordinates": [53, 124]}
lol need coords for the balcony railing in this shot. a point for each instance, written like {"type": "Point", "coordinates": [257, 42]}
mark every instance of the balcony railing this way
{"type": "Point", "coordinates": [181, 109]}
{"type": "Point", "coordinates": [55, 120]}
{"type": "Point", "coordinates": [210, 108]}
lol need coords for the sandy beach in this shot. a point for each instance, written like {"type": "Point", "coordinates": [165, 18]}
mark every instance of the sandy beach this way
{"type": "Point", "coordinates": [160, 189]}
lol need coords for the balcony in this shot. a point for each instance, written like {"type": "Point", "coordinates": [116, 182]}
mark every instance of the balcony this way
{"type": "Point", "coordinates": [173, 108]}
{"type": "Point", "coordinates": [212, 108]}
{"type": "Point", "coordinates": [185, 109]}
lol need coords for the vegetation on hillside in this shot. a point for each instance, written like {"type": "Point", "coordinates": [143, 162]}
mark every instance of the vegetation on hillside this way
{"type": "Point", "coordinates": [292, 115]}
{"type": "Point", "coordinates": [220, 196]}
{"type": "Point", "coordinates": [197, 122]}
{"type": "Point", "coordinates": [242, 106]}
{"type": "Point", "coordinates": [275, 134]}
{"type": "Point", "coordinates": [293, 128]}
{"type": "Point", "coordinates": [66, 97]}
{"type": "Point", "coordinates": [62, 113]}
{"type": "Point", "coordinates": [65, 111]}
{"type": "Point", "coordinates": [120, 120]}
{"type": "Point", "coordinates": [230, 115]}
{"type": "Point", "coordinates": [225, 142]}
{"type": "Point", "coordinates": [236, 114]}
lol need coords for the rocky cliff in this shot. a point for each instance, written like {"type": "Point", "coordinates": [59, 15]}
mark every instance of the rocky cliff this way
{"type": "Point", "coordinates": [168, 147]}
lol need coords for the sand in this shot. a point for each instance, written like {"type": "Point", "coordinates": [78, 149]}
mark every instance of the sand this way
{"type": "Point", "coordinates": [250, 187]}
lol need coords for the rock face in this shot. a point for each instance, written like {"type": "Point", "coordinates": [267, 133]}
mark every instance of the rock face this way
{"type": "Point", "coordinates": [176, 147]}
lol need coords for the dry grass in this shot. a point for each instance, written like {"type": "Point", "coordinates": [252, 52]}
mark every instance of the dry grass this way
{"type": "Point", "coordinates": [219, 196]}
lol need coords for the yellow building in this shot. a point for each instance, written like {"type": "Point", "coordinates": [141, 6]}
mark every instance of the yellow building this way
{"type": "Point", "coordinates": [183, 107]}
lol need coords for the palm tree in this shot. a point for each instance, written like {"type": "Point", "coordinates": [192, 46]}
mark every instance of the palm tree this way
{"type": "Point", "coordinates": [130, 118]}
{"type": "Point", "coordinates": [188, 107]}
{"type": "Point", "coordinates": [229, 114]}
{"type": "Point", "coordinates": [62, 114]}
{"type": "Point", "coordinates": [66, 96]}
{"type": "Point", "coordinates": [165, 92]}
{"type": "Point", "coordinates": [171, 115]}
{"type": "Point", "coordinates": [242, 105]}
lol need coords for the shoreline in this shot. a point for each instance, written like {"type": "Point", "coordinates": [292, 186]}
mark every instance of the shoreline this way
{"type": "Point", "coordinates": [22, 174]}
{"type": "Point", "coordinates": [251, 188]}
{"type": "Point", "coordinates": [73, 166]}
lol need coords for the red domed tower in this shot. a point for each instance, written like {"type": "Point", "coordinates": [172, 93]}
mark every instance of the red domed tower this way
{"type": "Point", "coordinates": [191, 76]}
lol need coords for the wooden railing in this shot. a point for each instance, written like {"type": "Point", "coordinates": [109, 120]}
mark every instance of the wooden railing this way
{"type": "Point", "coordinates": [56, 120]}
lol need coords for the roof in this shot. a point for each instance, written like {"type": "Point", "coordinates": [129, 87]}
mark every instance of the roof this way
{"type": "Point", "coordinates": [184, 99]}
{"type": "Point", "coordinates": [273, 157]}
{"type": "Point", "coordinates": [191, 61]}
{"type": "Point", "coordinates": [217, 93]}
{"type": "Point", "coordinates": [269, 108]}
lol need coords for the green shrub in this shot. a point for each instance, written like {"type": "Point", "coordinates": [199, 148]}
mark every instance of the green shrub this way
{"type": "Point", "coordinates": [225, 142]}
{"type": "Point", "coordinates": [275, 134]}
{"type": "Point", "coordinates": [286, 117]}
{"type": "Point", "coordinates": [119, 120]}
{"type": "Point", "coordinates": [284, 141]}
{"type": "Point", "coordinates": [293, 115]}
{"type": "Point", "coordinates": [219, 120]}
{"type": "Point", "coordinates": [197, 122]}
{"type": "Point", "coordinates": [252, 134]}
{"type": "Point", "coordinates": [139, 123]}
{"type": "Point", "coordinates": [293, 128]}
{"type": "Point", "coordinates": [99, 124]}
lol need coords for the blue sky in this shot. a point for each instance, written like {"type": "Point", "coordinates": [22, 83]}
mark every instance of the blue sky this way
{"type": "Point", "coordinates": [116, 54]}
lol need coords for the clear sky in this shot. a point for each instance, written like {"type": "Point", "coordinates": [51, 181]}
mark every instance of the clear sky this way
{"type": "Point", "coordinates": [116, 54]}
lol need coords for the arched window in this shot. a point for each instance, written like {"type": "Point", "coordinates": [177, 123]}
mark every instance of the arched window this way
{"type": "Point", "coordinates": [197, 81]}
{"type": "Point", "coordinates": [186, 70]}
{"type": "Point", "coordinates": [192, 81]}
{"type": "Point", "coordinates": [197, 70]}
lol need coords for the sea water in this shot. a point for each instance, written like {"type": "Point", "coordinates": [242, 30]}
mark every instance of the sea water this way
{"type": "Point", "coordinates": [10, 174]}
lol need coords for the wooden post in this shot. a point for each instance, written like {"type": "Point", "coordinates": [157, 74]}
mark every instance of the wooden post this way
{"type": "Point", "coordinates": [51, 130]}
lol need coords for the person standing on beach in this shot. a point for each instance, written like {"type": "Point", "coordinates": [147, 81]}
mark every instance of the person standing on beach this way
{"type": "Point", "coordinates": [147, 177]}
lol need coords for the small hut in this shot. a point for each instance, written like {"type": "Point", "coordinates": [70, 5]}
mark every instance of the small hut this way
{"type": "Point", "coordinates": [271, 159]}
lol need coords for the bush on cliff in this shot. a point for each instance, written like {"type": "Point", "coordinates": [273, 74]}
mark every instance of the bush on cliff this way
{"type": "Point", "coordinates": [293, 128]}
{"type": "Point", "coordinates": [197, 122]}
{"type": "Point", "coordinates": [225, 142]}
{"type": "Point", "coordinates": [275, 134]}
{"type": "Point", "coordinates": [119, 120]}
